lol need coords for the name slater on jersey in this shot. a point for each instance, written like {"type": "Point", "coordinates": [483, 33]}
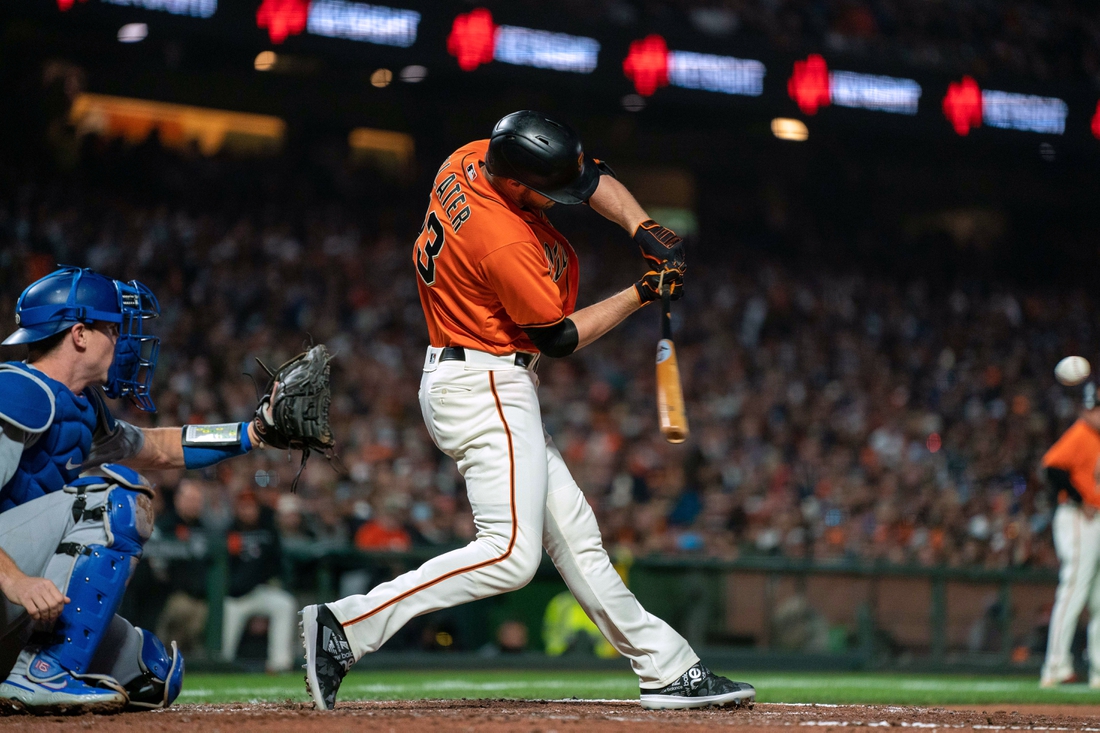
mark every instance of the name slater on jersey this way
{"type": "Point", "coordinates": [556, 258]}
{"type": "Point", "coordinates": [450, 196]}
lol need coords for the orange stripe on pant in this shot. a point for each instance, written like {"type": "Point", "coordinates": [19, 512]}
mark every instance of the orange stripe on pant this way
{"type": "Point", "coordinates": [478, 566]}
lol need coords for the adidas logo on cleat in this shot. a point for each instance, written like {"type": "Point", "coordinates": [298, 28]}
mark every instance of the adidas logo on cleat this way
{"type": "Point", "coordinates": [337, 647]}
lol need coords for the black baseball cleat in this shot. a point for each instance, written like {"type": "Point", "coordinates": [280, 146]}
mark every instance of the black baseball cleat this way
{"type": "Point", "coordinates": [699, 688]}
{"type": "Point", "coordinates": [328, 654]}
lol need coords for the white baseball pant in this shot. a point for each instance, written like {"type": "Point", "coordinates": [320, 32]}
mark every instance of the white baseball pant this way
{"type": "Point", "coordinates": [1077, 542]}
{"type": "Point", "coordinates": [484, 413]}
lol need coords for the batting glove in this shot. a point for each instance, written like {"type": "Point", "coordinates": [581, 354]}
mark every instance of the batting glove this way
{"type": "Point", "coordinates": [660, 245]}
{"type": "Point", "coordinates": [649, 287]}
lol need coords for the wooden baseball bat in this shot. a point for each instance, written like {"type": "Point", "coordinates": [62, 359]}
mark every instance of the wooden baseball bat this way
{"type": "Point", "coordinates": [670, 392]}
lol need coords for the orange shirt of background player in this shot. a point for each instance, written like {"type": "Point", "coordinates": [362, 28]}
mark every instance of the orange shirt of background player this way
{"type": "Point", "coordinates": [373, 535]}
{"type": "Point", "coordinates": [485, 267]}
{"type": "Point", "coordinates": [1078, 452]}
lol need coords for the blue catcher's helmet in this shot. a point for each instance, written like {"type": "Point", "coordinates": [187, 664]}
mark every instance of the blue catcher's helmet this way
{"type": "Point", "coordinates": [73, 295]}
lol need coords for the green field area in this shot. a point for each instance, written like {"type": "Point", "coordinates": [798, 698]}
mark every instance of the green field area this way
{"type": "Point", "coordinates": [823, 687]}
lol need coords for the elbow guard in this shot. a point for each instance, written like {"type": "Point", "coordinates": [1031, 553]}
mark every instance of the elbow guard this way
{"type": "Point", "coordinates": [557, 341]}
{"type": "Point", "coordinates": [1060, 481]}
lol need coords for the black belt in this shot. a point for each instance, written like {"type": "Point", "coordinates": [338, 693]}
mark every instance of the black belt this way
{"type": "Point", "coordinates": [457, 353]}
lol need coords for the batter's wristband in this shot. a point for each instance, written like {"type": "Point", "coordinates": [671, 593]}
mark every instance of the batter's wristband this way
{"type": "Point", "coordinates": [205, 445]}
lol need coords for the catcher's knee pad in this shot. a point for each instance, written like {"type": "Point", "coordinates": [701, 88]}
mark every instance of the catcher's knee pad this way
{"type": "Point", "coordinates": [161, 677]}
{"type": "Point", "coordinates": [127, 515]}
{"type": "Point", "coordinates": [129, 520]}
{"type": "Point", "coordinates": [95, 589]}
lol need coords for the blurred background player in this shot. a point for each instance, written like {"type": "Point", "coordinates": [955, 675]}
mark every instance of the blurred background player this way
{"type": "Point", "coordinates": [498, 285]}
{"type": "Point", "coordinates": [1072, 468]}
{"type": "Point", "coordinates": [69, 511]}
{"type": "Point", "coordinates": [255, 585]}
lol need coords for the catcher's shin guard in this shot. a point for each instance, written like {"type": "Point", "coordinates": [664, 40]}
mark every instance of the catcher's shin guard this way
{"type": "Point", "coordinates": [100, 572]}
{"type": "Point", "coordinates": [161, 676]}
{"type": "Point", "coordinates": [95, 589]}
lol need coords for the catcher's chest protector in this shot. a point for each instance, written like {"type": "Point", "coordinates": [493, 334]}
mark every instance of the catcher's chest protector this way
{"type": "Point", "coordinates": [54, 459]}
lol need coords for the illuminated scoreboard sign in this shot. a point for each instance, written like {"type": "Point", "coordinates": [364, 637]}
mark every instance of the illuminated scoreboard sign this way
{"type": "Point", "coordinates": [967, 106]}
{"type": "Point", "coordinates": [650, 65]}
{"type": "Point", "coordinates": [475, 40]}
{"type": "Point", "coordinates": [361, 22]}
{"type": "Point", "coordinates": [813, 86]}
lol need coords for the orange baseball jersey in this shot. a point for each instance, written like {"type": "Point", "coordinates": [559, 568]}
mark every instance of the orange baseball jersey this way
{"type": "Point", "coordinates": [485, 267]}
{"type": "Point", "coordinates": [1078, 453]}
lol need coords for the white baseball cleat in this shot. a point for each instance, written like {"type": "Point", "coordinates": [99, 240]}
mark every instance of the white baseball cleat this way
{"type": "Point", "coordinates": [60, 694]}
{"type": "Point", "coordinates": [699, 688]}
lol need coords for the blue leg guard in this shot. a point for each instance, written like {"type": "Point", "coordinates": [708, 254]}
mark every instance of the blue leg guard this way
{"type": "Point", "coordinates": [162, 675]}
{"type": "Point", "coordinates": [96, 584]}
{"type": "Point", "coordinates": [95, 590]}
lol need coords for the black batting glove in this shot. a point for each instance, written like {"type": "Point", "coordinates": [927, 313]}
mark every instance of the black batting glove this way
{"type": "Point", "coordinates": [649, 287]}
{"type": "Point", "coordinates": [660, 245]}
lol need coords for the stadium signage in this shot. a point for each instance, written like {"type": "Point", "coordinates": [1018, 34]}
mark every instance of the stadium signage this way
{"type": "Point", "coordinates": [879, 93]}
{"type": "Point", "coordinates": [813, 86]}
{"type": "Point", "coordinates": [650, 64]}
{"type": "Point", "coordinates": [724, 74]}
{"type": "Point", "coordinates": [337, 19]}
{"type": "Point", "coordinates": [1024, 112]}
{"type": "Point", "coordinates": [362, 22]}
{"type": "Point", "coordinates": [193, 8]}
{"type": "Point", "coordinates": [475, 40]}
{"type": "Point", "coordinates": [967, 106]}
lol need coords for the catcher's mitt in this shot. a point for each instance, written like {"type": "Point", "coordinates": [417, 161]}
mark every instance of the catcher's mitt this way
{"type": "Point", "coordinates": [293, 413]}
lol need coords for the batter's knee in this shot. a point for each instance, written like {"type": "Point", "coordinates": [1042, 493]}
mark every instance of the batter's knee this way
{"type": "Point", "coordinates": [525, 558]}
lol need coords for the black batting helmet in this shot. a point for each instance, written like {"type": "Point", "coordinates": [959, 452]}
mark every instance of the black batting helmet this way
{"type": "Point", "coordinates": [544, 155]}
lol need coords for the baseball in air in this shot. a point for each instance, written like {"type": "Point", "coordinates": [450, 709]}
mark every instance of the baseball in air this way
{"type": "Point", "coordinates": [1072, 370]}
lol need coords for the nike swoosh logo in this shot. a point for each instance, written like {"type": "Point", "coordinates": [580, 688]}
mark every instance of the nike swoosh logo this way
{"type": "Point", "coordinates": [70, 466]}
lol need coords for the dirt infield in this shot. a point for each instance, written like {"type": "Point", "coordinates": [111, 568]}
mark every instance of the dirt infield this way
{"type": "Point", "coordinates": [560, 716]}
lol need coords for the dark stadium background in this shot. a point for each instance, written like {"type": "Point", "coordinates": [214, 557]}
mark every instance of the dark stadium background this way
{"type": "Point", "coordinates": [871, 324]}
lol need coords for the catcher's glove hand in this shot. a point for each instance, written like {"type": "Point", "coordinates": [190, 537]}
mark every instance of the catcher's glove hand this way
{"type": "Point", "coordinates": [293, 413]}
{"type": "Point", "coordinates": [660, 245]}
{"type": "Point", "coordinates": [649, 287]}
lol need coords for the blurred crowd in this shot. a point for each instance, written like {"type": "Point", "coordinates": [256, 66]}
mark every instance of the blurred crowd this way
{"type": "Point", "coordinates": [1028, 38]}
{"type": "Point", "coordinates": [834, 415]}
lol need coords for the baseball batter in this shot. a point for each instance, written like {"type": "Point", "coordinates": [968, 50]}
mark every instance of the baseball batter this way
{"type": "Point", "coordinates": [498, 285]}
{"type": "Point", "coordinates": [1072, 467]}
{"type": "Point", "coordinates": [72, 520]}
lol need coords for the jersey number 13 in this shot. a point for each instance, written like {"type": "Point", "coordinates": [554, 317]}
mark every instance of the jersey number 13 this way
{"type": "Point", "coordinates": [428, 246]}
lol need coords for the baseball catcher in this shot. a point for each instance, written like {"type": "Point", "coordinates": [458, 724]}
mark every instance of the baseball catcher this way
{"type": "Point", "coordinates": [74, 512]}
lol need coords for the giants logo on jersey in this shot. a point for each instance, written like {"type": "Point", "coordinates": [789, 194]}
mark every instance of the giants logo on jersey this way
{"type": "Point", "coordinates": [556, 258]}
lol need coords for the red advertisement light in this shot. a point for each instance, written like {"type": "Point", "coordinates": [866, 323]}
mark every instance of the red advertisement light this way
{"type": "Point", "coordinates": [963, 105]}
{"type": "Point", "coordinates": [472, 37]}
{"type": "Point", "coordinates": [64, 5]}
{"type": "Point", "coordinates": [1096, 122]}
{"type": "Point", "coordinates": [282, 18]}
{"type": "Point", "coordinates": [809, 84]}
{"type": "Point", "coordinates": [647, 64]}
